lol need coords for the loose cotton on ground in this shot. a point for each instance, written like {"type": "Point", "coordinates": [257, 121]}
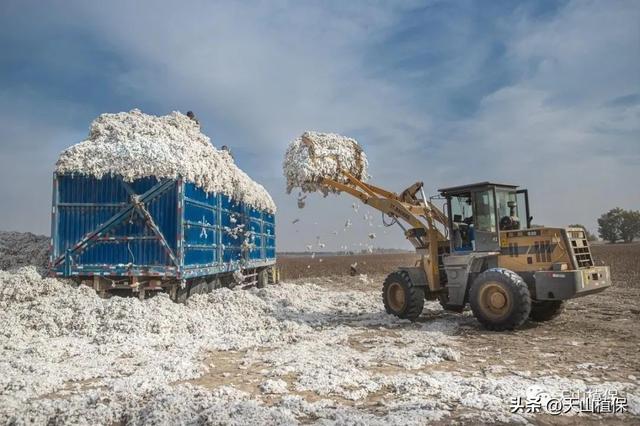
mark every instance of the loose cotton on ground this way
{"type": "Point", "coordinates": [315, 155]}
{"type": "Point", "coordinates": [303, 351]}
{"type": "Point", "coordinates": [135, 145]}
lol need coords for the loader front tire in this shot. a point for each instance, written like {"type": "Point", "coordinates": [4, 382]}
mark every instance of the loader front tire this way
{"type": "Point", "coordinates": [500, 299]}
{"type": "Point", "coordinates": [545, 310]}
{"type": "Point", "coordinates": [401, 298]}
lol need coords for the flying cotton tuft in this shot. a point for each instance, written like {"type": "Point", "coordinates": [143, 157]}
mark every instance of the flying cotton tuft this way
{"type": "Point", "coordinates": [315, 155]}
{"type": "Point", "coordinates": [134, 145]}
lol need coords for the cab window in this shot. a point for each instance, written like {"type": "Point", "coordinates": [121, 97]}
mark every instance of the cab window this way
{"type": "Point", "coordinates": [508, 211]}
{"type": "Point", "coordinates": [485, 216]}
{"type": "Point", "coordinates": [462, 222]}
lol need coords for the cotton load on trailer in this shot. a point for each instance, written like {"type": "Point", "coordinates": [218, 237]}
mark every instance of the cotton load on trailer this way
{"type": "Point", "coordinates": [158, 232]}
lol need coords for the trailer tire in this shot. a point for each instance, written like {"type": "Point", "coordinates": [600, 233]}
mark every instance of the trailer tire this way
{"type": "Point", "coordinates": [198, 286]}
{"type": "Point", "coordinates": [182, 294]}
{"type": "Point", "coordinates": [263, 278]}
{"type": "Point", "coordinates": [401, 298]}
{"type": "Point", "coordinates": [227, 281]}
{"type": "Point", "coordinates": [545, 310]}
{"type": "Point", "coordinates": [500, 299]}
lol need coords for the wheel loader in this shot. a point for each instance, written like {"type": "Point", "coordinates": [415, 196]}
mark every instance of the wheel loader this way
{"type": "Point", "coordinates": [483, 252]}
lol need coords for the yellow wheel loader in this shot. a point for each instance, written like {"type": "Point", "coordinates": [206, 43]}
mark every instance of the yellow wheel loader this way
{"type": "Point", "coordinates": [483, 252]}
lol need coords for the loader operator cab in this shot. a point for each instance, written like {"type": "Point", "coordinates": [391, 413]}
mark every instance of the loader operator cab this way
{"type": "Point", "coordinates": [479, 212]}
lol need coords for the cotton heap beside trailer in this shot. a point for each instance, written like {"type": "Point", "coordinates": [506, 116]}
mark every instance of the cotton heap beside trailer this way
{"type": "Point", "coordinates": [158, 225]}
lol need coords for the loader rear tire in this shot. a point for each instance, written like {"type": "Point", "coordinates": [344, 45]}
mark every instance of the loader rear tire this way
{"type": "Point", "coordinates": [401, 298]}
{"type": "Point", "coordinates": [500, 299]}
{"type": "Point", "coordinates": [545, 310]}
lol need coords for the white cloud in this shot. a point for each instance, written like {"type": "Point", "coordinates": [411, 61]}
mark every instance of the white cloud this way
{"type": "Point", "coordinates": [551, 130]}
{"type": "Point", "coordinates": [260, 74]}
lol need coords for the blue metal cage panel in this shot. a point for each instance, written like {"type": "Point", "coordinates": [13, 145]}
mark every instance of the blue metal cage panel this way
{"type": "Point", "coordinates": [201, 227]}
{"type": "Point", "coordinates": [150, 227]}
{"type": "Point", "coordinates": [216, 226]}
{"type": "Point", "coordinates": [97, 229]}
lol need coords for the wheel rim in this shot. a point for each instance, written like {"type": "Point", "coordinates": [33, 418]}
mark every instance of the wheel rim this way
{"type": "Point", "coordinates": [495, 300]}
{"type": "Point", "coordinates": [396, 297]}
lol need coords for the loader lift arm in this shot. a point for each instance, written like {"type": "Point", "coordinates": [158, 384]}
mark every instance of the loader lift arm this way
{"type": "Point", "coordinates": [419, 213]}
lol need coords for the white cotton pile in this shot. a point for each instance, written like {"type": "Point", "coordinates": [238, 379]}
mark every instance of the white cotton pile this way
{"type": "Point", "coordinates": [277, 386]}
{"type": "Point", "coordinates": [135, 145]}
{"type": "Point", "coordinates": [315, 155]}
{"type": "Point", "coordinates": [69, 357]}
{"type": "Point", "coordinates": [23, 248]}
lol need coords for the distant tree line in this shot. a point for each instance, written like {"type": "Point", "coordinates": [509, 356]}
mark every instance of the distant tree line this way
{"type": "Point", "coordinates": [619, 224]}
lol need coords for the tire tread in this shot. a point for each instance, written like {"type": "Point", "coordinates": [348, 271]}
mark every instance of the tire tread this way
{"type": "Point", "coordinates": [414, 295]}
{"type": "Point", "coordinates": [522, 299]}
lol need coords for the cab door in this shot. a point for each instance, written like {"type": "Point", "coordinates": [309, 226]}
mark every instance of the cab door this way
{"type": "Point", "coordinates": [522, 203]}
{"type": "Point", "coordinates": [485, 221]}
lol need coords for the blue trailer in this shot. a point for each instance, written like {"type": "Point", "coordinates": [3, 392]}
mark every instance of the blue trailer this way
{"type": "Point", "coordinates": [157, 234]}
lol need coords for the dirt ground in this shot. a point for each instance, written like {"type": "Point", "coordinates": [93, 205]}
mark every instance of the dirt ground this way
{"type": "Point", "coordinates": [602, 329]}
{"type": "Point", "coordinates": [293, 267]}
{"type": "Point", "coordinates": [624, 260]}
{"type": "Point", "coordinates": [318, 349]}
{"type": "Point", "coordinates": [596, 339]}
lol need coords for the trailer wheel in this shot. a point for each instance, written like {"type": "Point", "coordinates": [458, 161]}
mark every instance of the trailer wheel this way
{"type": "Point", "coordinates": [500, 299]}
{"type": "Point", "coordinates": [198, 286]}
{"type": "Point", "coordinates": [182, 294]}
{"type": "Point", "coordinates": [228, 281]}
{"type": "Point", "coordinates": [545, 310]}
{"type": "Point", "coordinates": [401, 298]}
{"type": "Point", "coordinates": [263, 278]}
{"type": "Point", "coordinates": [274, 274]}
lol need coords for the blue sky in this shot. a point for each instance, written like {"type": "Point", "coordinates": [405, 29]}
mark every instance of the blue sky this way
{"type": "Point", "coordinates": [544, 94]}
